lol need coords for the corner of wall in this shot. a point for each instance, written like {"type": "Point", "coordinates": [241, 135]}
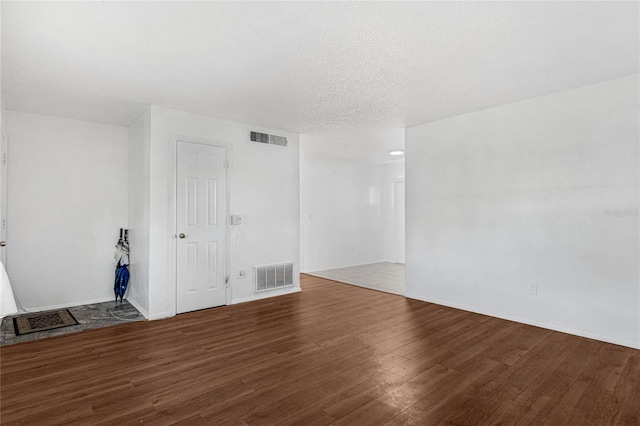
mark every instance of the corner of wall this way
{"type": "Point", "coordinates": [497, 205]}
{"type": "Point", "coordinates": [138, 210]}
{"type": "Point", "coordinates": [138, 306]}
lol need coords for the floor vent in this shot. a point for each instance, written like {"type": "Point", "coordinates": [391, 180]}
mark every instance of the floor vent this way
{"type": "Point", "coordinates": [268, 139]}
{"type": "Point", "coordinates": [271, 277]}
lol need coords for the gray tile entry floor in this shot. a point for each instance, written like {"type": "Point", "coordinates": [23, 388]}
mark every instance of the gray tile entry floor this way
{"type": "Point", "coordinates": [97, 315]}
{"type": "Point", "coordinates": [383, 276]}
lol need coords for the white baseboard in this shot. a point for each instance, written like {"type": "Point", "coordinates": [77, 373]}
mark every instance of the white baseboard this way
{"type": "Point", "coordinates": [265, 295]}
{"type": "Point", "coordinates": [140, 309]}
{"type": "Point", "coordinates": [160, 315]}
{"type": "Point", "coordinates": [554, 327]}
{"type": "Point", "coordinates": [328, 268]}
{"type": "Point", "coordinates": [68, 305]}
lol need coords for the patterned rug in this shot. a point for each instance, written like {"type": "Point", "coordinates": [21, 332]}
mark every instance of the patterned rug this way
{"type": "Point", "coordinates": [41, 321]}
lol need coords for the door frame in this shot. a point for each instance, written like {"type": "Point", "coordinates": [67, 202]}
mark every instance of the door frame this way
{"type": "Point", "coordinates": [395, 181]}
{"type": "Point", "coordinates": [173, 216]}
{"type": "Point", "coordinates": [4, 189]}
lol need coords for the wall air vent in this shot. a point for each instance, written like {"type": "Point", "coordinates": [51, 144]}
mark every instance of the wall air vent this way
{"type": "Point", "coordinates": [267, 139]}
{"type": "Point", "coordinates": [272, 277]}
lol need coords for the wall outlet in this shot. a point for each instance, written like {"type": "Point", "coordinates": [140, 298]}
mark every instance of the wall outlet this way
{"type": "Point", "coordinates": [242, 273]}
{"type": "Point", "coordinates": [533, 289]}
{"type": "Point", "coordinates": [237, 219]}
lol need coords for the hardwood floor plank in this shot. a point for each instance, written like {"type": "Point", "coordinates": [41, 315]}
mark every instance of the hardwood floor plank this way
{"type": "Point", "coordinates": [599, 402]}
{"type": "Point", "coordinates": [453, 395]}
{"type": "Point", "coordinates": [404, 419]}
{"type": "Point", "coordinates": [390, 404]}
{"type": "Point", "coordinates": [312, 395]}
{"type": "Point", "coordinates": [565, 411]}
{"type": "Point", "coordinates": [627, 393]}
{"type": "Point", "coordinates": [332, 354]}
{"type": "Point", "coordinates": [535, 403]}
{"type": "Point", "coordinates": [196, 420]}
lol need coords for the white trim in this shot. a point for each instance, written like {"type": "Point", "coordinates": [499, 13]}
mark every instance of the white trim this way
{"type": "Point", "coordinates": [68, 305]}
{"type": "Point", "coordinates": [140, 309]}
{"type": "Point", "coordinates": [4, 189]}
{"type": "Point", "coordinates": [347, 266]}
{"type": "Point", "coordinates": [595, 336]}
{"type": "Point", "coordinates": [173, 270]}
{"type": "Point", "coordinates": [266, 295]}
{"type": "Point", "coordinates": [161, 315]}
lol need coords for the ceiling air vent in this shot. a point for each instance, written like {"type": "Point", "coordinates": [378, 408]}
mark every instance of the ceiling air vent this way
{"type": "Point", "coordinates": [267, 139]}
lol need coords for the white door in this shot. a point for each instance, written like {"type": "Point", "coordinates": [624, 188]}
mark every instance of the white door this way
{"type": "Point", "coordinates": [201, 226]}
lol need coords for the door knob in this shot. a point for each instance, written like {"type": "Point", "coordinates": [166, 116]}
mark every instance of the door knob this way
{"type": "Point", "coordinates": [3, 243]}
{"type": "Point", "coordinates": [181, 235]}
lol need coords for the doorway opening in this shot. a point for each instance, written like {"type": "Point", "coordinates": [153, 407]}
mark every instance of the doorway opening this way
{"type": "Point", "coordinates": [353, 221]}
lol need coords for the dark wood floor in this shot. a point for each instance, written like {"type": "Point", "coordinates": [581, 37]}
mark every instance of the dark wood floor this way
{"type": "Point", "coordinates": [333, 354]}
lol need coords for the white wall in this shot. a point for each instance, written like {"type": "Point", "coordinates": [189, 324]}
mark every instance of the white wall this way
{"type": "Point", "coordinates": [264, 187]}
{"type": "Point", "coordinates": [138, 211]}
{"type": "Point", "coordinates": [504, 198]}
{"type": "Point", "coordinates": [393, 203]}
{"type": "Point", "coordinates": [341, 212]}
{"type": "Point", "coordinates": [349, 213]}
{"type": "Point", "coordinates": [67, 200]}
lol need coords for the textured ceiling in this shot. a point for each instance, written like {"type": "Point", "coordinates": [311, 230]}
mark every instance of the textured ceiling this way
{"type": "Point", "coordinates": [309, 67]}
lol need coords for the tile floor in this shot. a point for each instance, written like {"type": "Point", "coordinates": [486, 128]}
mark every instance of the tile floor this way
{"type": "Point", "coordinates": [383, 276]}
{"type": "Point", "coordinates": [97, 315]}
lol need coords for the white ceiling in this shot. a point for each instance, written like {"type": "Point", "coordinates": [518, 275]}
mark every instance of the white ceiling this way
{"type": "Point", "coordinates": [307, 67]}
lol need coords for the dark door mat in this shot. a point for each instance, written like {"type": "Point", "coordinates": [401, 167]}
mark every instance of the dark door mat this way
{"type": "Point", "coordinates": [42, 321]}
